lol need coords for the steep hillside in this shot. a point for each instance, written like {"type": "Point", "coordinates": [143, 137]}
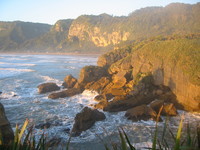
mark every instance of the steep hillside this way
{"type": "Point", "coordinates": [89, 33]}
{"type": "Point", "coordinates": [52, 40]}
{"type": "Point", "coordinates": [13, 34]}
{"type": "Point", "coordinates": [172, 61]}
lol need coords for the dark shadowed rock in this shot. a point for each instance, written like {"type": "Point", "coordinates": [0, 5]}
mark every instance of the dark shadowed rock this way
{"type": "Point", "coordinates": [168, 108]}
{"type": "Point", "coordinates": [65, 93]}
{"type": "Point", "coordinates": [103, 97]}
{"type": "Point", "coordinates": [69, 81]}
{"type": "Point", "coordinates": [47, 87]}
{"type": "Point", "coordinates": [156, 105]}
{"type": "Point", "coordinates": [86, 119]}
{"type": "Point", "coordinates": [5, 128]}
{"type": "Point", "coordinates": [142, 112]}
{"type": "Point", "coordinates": [99, 98]}
{"type": "Point", "coordinates": [125, 104]}
{"type": "Point", "coordinates": [0, 92]}
{"type": "Point", "coordinates": [101, 105]}
{"type": "Point", "coordinates": [43, 125]}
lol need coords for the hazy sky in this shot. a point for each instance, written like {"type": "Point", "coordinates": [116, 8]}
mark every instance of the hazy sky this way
{"type": "Point", "coordinates": [49, 11]}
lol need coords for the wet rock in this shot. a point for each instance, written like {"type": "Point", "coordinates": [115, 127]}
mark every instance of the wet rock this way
{"type": "Point", "coordinates": [54, 142]}
{"type": "Point", "coordinates": [101, 105]}
{"type": "Point", "coordinates": [91, 74]}
{"type": "Point", "coordinates": [47, 87]}
{"type": "Point", "coordinates": [43, 125]}
{"type": "Point", "coordinates": [156, 105]}
{"type": "Point", "coordinates": [86, 119]}
{"type": "Point", "coordinates": [5, 127]}
{"type": "Point", "coordinates": [169, 110]}
{"type": "Point", "coordinates": [125, 104]}
{"type": "Point", "coordinates": [67, 130]}
{"type": "Point", "coordinates": [69, 81]}
{"type": "Point", "coordinates": [65, 93]}
{"type": "Point", "coordinates": [142, 112]}
{"type": "Point", "coordinates": [100, 98]}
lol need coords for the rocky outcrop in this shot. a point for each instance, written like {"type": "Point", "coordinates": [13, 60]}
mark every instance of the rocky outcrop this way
{"type": "Point", "coordinates": [86, 119]}
{"type": "Point", "coordinates": [69, 81]}
{"type": "Point", "coordinates": [167, 109]}
{"type": "Point", "coordinates": [5, 128]}
{"type": "Point", "coordinates": [91, 74]}
{"type": "Point", "coordinates": [47, 87]}
{"type": "Point", "coordinates": [174, 77]}
{"type": "Point", "coordinates": [182, 78]}
{"type": "Point", "coordinates": [142, 112]}
{"type": "Point", "coordinates": [65, 93]}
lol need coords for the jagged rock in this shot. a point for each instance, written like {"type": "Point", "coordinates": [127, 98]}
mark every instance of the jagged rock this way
{"type": "Point", "coordinates": [122, 105]}
{"type": "Point", "coordinates": [98, 85]}
{"type": "Point", "coordinates": [47, 87]}
{"type": "Point", "coordinates": [100, 98]}
{"type": "Point", "coordinates": [156, 105]}
{"type": "Point", "coordinates": [101, 105]}
{"type": "Point", "coordinates": [118, 91]}
{"type": "Point", "coordinates": [169, 110]}
{"type": "Point", "coordinates": [119, 79]}
{"type": "Point", "coordinates": [65, 93]}
{"type": "Point", "coordinates": [5, 128]}
{"type": "Point", "coordinates": [142, 112]}
{"type": "Point", "coordinates": [69, 81]}
{"type": "Point", "coordinates": [43, 125]}
{"type": "Point", "coordinates": [91, 74]}
{"type": "Point", "coordinates": [86, 119]}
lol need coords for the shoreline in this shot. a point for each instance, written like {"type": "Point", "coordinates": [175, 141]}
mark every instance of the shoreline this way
{"type": "Point", "coordinates": [73, 54]}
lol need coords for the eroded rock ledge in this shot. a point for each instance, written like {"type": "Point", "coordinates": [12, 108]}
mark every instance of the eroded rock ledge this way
{"type": "Point", "coordinates": [141, 81]}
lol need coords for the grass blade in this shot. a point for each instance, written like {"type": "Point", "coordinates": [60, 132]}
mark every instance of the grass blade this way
{"type": "Point", "coordinates": [22, 130]}
{"type": "Point", "coordinates": [178, 136]}
{"type": "Point", "coordinates": [128, 141]}
{"type": "Point", "coordinates": [123, 142]}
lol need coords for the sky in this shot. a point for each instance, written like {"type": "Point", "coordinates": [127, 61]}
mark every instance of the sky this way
{"type": "Point", "coordinates": [49, 11]}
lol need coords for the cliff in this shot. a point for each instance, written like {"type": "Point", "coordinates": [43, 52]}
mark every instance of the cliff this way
{"type": "Point", "coordinates": [89, 33]}
{"type": "Point", "coordinates": [173, 62]}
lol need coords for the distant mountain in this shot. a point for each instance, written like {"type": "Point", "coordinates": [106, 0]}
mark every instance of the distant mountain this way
{"type": "Point", "coordinates": [89, 33]}
{"type": "Point", "coordinates": [13, 34]}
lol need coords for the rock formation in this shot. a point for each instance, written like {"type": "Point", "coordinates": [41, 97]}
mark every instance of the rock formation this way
{"type": "Point", "coordinates": [86, 119]}
{"type": "Point", "coordinates": [47, 87]}
{"type": "Point", "coordinates": [5, 128]}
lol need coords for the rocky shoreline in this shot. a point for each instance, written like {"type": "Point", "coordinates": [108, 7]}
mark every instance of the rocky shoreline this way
{"type": "Point", "coordinates": [119, 91]}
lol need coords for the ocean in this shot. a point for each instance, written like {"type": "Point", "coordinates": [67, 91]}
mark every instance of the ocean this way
{"type": "Point", "coordinates": [21, 74]}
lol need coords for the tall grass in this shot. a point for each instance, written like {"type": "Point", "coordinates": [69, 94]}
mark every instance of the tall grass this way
{"type": "Point", "coordinates": [22, 141]}
{"type": "Point", "coordinates": [187, 141]}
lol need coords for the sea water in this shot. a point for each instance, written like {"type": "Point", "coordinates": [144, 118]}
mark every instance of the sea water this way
{"type": "Point", "coordinates": [21, 74]}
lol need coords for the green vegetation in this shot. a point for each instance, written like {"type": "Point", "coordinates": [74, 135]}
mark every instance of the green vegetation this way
{"type": "Point", "coordinates": [180, 141]}
{"type": "Point", "coordinates": [181, 53]}
{"type": "Point", "coordinates": [183, 140]}
{"type": "Point", "coordinates": [140, 25]}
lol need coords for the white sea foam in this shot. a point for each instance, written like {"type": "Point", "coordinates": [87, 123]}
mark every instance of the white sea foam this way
{"type": "Point", "coordinates": [50, 79]}
{"type": "Point", "coordinates": [14, 58]}
{"type": "Point", "coordinates": [8, 95]}
{"type": "Point", "coordinates": [17, 70]}
{"type": "Point", "coordinates": [16, 64]}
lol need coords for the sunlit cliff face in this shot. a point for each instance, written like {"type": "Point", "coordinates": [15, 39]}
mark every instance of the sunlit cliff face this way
{"type": "Point", "coordinates": [95, 35]}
